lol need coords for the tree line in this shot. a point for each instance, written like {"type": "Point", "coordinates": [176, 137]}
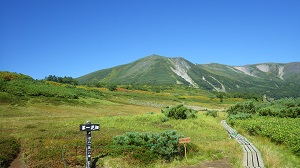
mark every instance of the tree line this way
{"type": "Point", "coordinates": [65, 80]}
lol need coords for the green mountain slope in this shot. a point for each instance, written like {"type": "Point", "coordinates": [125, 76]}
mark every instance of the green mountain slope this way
{"type": "Point", "coordinates": [264, 78]}
{"type": "Point", "coordinates": [153, 69]}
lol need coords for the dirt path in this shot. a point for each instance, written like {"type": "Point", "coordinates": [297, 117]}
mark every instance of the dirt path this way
{"type": "Point", "coordinates": [17, 163]}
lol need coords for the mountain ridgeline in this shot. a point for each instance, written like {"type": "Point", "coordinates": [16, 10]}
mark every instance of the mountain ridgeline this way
{"type": "Point", "coordinates": [273, 79]}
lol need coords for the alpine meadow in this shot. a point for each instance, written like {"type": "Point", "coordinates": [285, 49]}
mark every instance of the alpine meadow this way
{"type": "Point", "coordinates": [145, 107]}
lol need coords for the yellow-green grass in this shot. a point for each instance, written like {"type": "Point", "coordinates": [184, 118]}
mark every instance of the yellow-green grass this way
{"type": "Point", "coordinates": [146, 98]}
{"type": "Point", "coordinates": [50, 136]}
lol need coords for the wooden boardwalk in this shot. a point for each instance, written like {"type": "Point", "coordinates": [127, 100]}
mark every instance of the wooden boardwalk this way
{"type": "Point", "coordinates": [252, 157]}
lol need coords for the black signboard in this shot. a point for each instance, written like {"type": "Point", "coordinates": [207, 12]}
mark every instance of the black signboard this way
{"type": "Point", "coordinates": [88, 127]}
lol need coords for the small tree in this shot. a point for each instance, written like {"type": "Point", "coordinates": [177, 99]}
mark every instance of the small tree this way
{"type": "Point", "coordinates": [220, 95]}
{"type": "Point", "coordinates": [112, 87]}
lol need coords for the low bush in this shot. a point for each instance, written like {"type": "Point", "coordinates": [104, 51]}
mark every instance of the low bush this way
{"type": "Point", "coordinates": [240, 116]}
{"type": "Point", "coordinates": [6, 98]}
{"type": "Point", "coordinates": [14, 87]}
{"type": "Point", "coordinates": [288, 107]}
{"type": "Point", "coordinates": [244, 107]}
{"type": "Point", "coordinates": [180, 112]}
{"type": "Point", "coordinates": [164, 145]}
{"type": "Point", "coordinates": [212, 113]}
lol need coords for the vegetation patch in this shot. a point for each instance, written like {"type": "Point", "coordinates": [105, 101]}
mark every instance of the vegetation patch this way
{"type": "Point", "coordinates": [278, 130]}
{"type": "Point", "coordinates": [164, 145]}
{"type": "Point", "coordinates": [288, 107]}
{"type": "Point", "coordinates": [180, 112]}
{"type": "Point", "coordinates": [278, 120]}
{"type": "Point", "coordinates": [213, 113]}
{"type": "Point", "coordinates": [45, 115]}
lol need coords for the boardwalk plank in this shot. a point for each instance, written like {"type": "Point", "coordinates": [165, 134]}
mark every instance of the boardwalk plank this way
{"type": "Point", "coordinates": [255, 160]}
{"type": "Point", "coordinates": [245, 158]}
{"type": "Point", "coordinates": [252, 157]}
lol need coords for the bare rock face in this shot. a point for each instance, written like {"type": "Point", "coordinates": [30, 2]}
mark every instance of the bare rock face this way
{"type": "Point", "coordinates": [180, 67]}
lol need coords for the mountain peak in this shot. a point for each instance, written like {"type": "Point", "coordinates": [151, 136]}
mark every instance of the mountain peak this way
{"type": "Point", "coordinates": [164, 57]}
{"type": "Point", "coordinates": [154, 56]}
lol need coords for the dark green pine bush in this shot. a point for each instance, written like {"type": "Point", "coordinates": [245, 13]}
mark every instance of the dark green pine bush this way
{"type": "Point", "coordinates": [180, 112]}
{"type": "Point", "coordinates": [163, 144]}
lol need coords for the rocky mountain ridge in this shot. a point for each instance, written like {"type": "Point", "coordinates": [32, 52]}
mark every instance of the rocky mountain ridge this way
{"type": "Point", "coordinates": [159, 70]}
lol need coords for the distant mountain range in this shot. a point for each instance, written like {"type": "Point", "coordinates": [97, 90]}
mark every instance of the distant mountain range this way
{"type": "Point", "coordinates": [158, 70]}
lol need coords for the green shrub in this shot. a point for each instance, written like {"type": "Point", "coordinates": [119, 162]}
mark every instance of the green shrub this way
{"type": "Point", "coordinates": [288, 107]}
{"type": "Point", "coordinates": [244, 107]}
{"type": "Point", "coordinates": [278, 130]}
{"type": "Point", "coordinates": [163, 144]}
{"type": "Point", "coordinates": [240, 116]}
{"type": "Point", "coordinates": [180, 112]}
{"type": "Point", "coordinates": [14, 89]}
{"type": "Point", "coordinates": [112, 87]}
{"type": "Point", "coordinates": [212, 113]}
{"type": "Point", "coordinates": [6, 98]}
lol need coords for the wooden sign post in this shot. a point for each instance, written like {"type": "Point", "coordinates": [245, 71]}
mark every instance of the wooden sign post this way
{"type": "Point", "coordinates": [184, 141]}
{"type": "Point", "coordinates": [88, 127]}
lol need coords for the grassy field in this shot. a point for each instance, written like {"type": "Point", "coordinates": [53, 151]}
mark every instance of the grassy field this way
{"type": "Point", "coordinates": [47, 126]}
{"type": "Point", "coordinates": [48, 129]}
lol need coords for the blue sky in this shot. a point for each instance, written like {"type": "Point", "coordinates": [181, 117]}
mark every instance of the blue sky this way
{"type": "Point", "coordinates": [75, 37]}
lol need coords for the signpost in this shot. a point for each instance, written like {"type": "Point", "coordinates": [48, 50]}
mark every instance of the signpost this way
{"type": "Point", "coordinates": [88, 127]}
{"type": "Point", "coordinates": [184, 141]}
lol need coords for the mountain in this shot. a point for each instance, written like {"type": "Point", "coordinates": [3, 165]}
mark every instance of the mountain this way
{"type": "Point", "coordinates": [153, 69]}
{"type": "Point", "coordinates": [158, 70]}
